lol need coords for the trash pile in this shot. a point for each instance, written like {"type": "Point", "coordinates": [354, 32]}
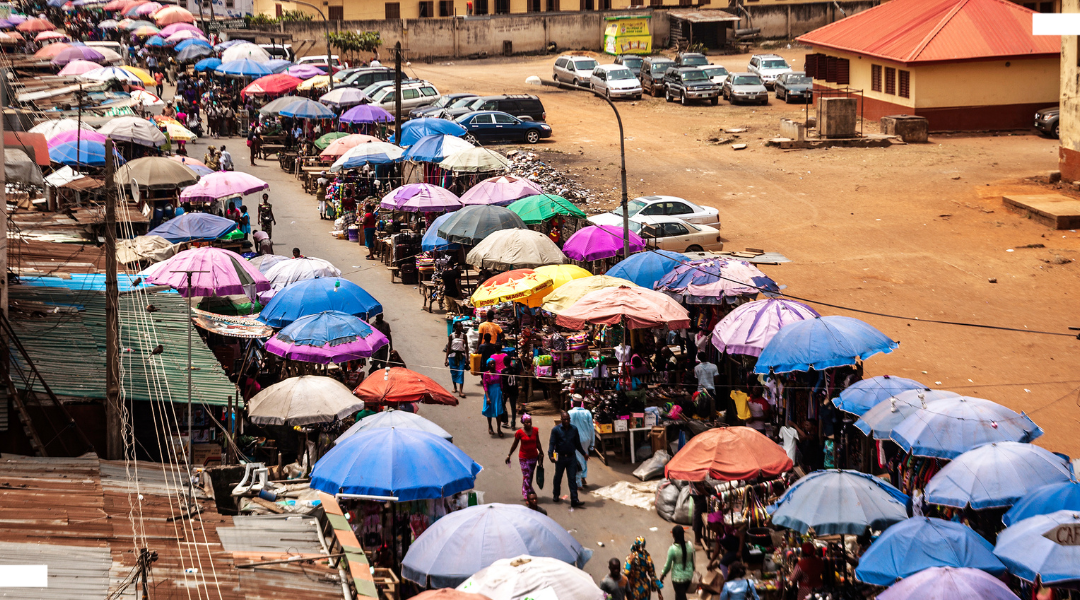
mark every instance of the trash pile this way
{"type": "Point", "coordinates": [552, 180]}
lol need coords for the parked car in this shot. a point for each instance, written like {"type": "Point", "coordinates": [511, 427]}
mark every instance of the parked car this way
{"type": "Point", "coordinates": [374, 88]}
{"type": "Point", "coordinates": [656, 206]}
{"type": "Point", "coordinates": [1046, 120]}
{"type": "Point", "coordinates": [689, 83]}
{"type": "Point", "coordinates": [744, 87]}
{"type": "Point", "coordinates": [768, 67]}
{"type": "Point", "coordinates": [573, 69]}
{"type": "Point", "coordinates": [282, 51]}
{"type": "Point", "coordinates": [319, 60]}
{"type": "Point", "coordinates": [652, 74]}
{"type": "Point", "coordinates": [717, 73]}
{"type": "Point", "coordinates": [365, 76]}
{"type": "Point", "coordinates": [495, 126]}
{"type": "Point", "coordinates": [691, 59]}
{"type": "Point", "coordinates": [522, 106]}
{"type": "Point", "coordinates": [676, 235]}
{"type": "Point", "coordinates": [435, 109]}
{"type": "Point", "coordinates": [615, 81]}
{"type": "Point", "coordinates": [794, 86]}
{"type": "Point", "coordinates": [630, 61]}
{"type": "Point", "coordinates": [413, 94]}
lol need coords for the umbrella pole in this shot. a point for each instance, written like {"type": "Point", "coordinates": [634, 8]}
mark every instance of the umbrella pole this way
{"type": "Point", "coordinates": [190, 416]}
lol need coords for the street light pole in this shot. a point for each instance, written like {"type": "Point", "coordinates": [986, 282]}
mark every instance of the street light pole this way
{"type": "Point", "coordinates": [326, 28]}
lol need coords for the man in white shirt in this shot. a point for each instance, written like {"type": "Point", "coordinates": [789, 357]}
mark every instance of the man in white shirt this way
{"type": "Point", "coordinates": [225, 159]}
{"type": "Point", "coordinates": [706, 374]}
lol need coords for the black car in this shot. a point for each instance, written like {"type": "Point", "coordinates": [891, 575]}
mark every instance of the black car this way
{"type": "Point", "coordinates": [1046, 120]}
{"type": "Point", "coordinates": [793, 86]}
{"type": "Point", "coordinates": [689, 83]}
{"type": "Point", "coordinates": [652, 74]}
{"type": "Point", "coordinates": [495, 126]}
{"type": "Point", "coordinates": [691, 59]}
{"type": "Point", "coordinates": [522, 106]}
{"type": "Point", "coordinates": [436, 109]}
{"type": "Point", "coordinates": [630, 61]}
{"type": "Point", "coordinates": [363, 77]}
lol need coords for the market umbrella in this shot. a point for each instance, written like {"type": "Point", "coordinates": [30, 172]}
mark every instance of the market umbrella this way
{"type": "Point", "coordinates": [647, 268]}
{"type": "Point", "coordinates": [34, 25]}
{"type": "Point", "coordinates": [472, 224]}
{"type": "Point", "coordinates": [194, 41]}
{"type": "Point", "coordinates": [77, 53]}
{"type": "Point", "coordinates": [51, 128]}
{"type": "Point", "coordinates": [397, 385]}
{"type": "Point", "coordinates": [327, 337]}
{"type": "Point", "coordinates": [421, 197]}
{"type": "Point", "coordinates": [434, 148]}
{"type": "Point", "coordinates": [263, 262]}
{"type": "Point", "coordinates": [995, 475]}
{"type": "Point", "coordinates": [45, 36]}
{"type": "Point", "coordinates": [501, 191]}
{"type": "Point", "coordinates": [144, 10]}
{"type": "Point", "coordinates": [184, 35]}
{"type": "Point", "coordinates": [132, 24]}
{"type": "Point", "coordinates": [143, 75]}
{"type": "Point", "coordinates": [179, 132]}
{"type": "Point", "coordinates": [822, 343]}
{"type": "Point", "coordinates": [865, 394]}
{"type": "Point", "coordinates": [1045, 500]}
{"type": "Point", "coordinates": [86, 153]}
{"type": "Point", "coordinates": [229, 44]}
{"type": "Point", "coordinates": [509, 286]}
{"type": "Point", "coordinates": [307, 109]}
{"type": "Point", "coordinates": [415, 129]}
{"type": "Point", "coordinates": [1043, 547]}
{"type": "Point", "coordinates": [372, 153]}
{"type": "Point", "coordinates": [317, 295]}
{"type": "Point", "coordinates": [193, 54]}
{"type": "Point", "coordinates": [366, 113]}
{"type": "Point", "coordinates": [323, 141]}
{"type": "Point", "coordinates": [108, 24]}
{"type": "Point", "coordinates": [193, 226]}
{"type": "Point", "coordinates": [448, 594]}
{"type": "Point", "coordinates": [274, 84]}
{"type": "Point", "coordinates": [168, 30]}
{"type": "Point", "coordinates": [213, 272]}
{"type": "Point", "coordinates": [921, 543]}
{"type": "Point", "coordinates": [316, 82]}
{"type": "Point", "coordinates": [637, 307]}
{"type": "Point", "coordinates": [145, 98]}
{"type": "Point", "coordinates": [207, 64]}
{"type": "Point", "coordinates": [338, 143]}
{"type": "Point", "coordinates": [728, 454]}
{"type": "Point", "coordinates": [300, 269]}
{"type": "Point", "coordinates": [155, 42]}
{"type": "Point", "coordinates": [303, 72]}
{"type": "Point", "coordinates": [527, 577]}
{"type": "Point", "coordinates": [304, 400]}
{"type": "Point", "coordinates": [839, 502]}
{"type": "Point", "coordinates": [569, 293]}
{"type": "Point", "coordinates": [342, 97]}
{"type": "Point", "coordinates": [248, 51]}
{"type": "Point", "coordinates": [174, 15]}
{"type": "Point", "coordinates": [947, 583]}
{"type": "Point", "coordinates": [468, 540]}
{"type": "Point", "coordinates": [715, 281]}
{"type": "Point", "coordinates": [109, 73]}
{"type": "Point", "coordinates": [432, 241]}
{"type": "Point", "coordinates": [51, 50]}
{"type": "Point", "coordinates": [74, 135]}
{"type": "Point", "coordinates": [135, 130]}
{"type": "Point", "coordinates": [600, 241]}
{"type": "Point", "coordinates": [560, 275]}
{"type": "Point", "coordinates": [541, 207]}
{"type": "Point", "coordinates": [146, 31]}
{"type": "Point", "coordinates": [954, 426]}
{"type": "Point", "coordinates": [404, 464]}
{"type": "Point", "coordinates": [515, 248]}
{"type": "Point", "coordinates": [242, 68]}
{"type": "Point", "coordinates": [223, 184]}
{"type": "Point", "coordinates": [389, 418]}
{"type": "Point", "coordinates": [880, 420]}
{"type": "Point", "coordinates": [748, 329]}
{"type": "Point", "coordinates": [155, 173]}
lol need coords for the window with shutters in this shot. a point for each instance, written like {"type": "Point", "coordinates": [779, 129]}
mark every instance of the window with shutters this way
{"type": "Point", "coordinates": [553, 6]}
{"type": "Point", "coordinates": [446, 8]}
{"type": "Point", "coordinates": [656, 2]}
{"type": "Point", "coordinates": [427, 9]}
{"type": "Point", "coordinates": [830, 68]}
{"type": "Point", "coordinates": [810, 66]}
{"type": "Point", "coordinates": [393, 10]}
{"type": "Point", "coordinates": [890, 80]}
{"type": "Point", "coordinates": [335, 13]}
{"type": "Point", "coordinates": [905, 84]}
{"type": "Point", "coordinates": [480, 7]}
{"type": "Point", "coordinates": [875, 78]}
{"type": "Point", "coordinates": [843, 71]}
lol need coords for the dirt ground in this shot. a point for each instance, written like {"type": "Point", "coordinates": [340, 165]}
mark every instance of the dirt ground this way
{"type": "Point", "coordinates": [917, 231]}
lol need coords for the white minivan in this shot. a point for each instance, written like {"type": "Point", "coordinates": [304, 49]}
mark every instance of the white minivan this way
{"type": "Point", "coordinates": [615, 81]}
{"type": "Point", "coordinates": [573, 69]}
{"type": "Point", "coordinates": [413, 95]}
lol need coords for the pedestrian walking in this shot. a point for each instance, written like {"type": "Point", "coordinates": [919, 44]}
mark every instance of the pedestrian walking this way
{"type": "Point", "coordinates": [582, 420]}
{"type": "Point", "coordinates": [225, 159]}
{"type": "Point", "coordinates": [254, 141]}
{"type": "Point", "coordinates": [266, 215]}
{"type": "Point", "coordinates": [159, 83]}
{"type": "Point", "coordinates": [615, 584]}
{"type": "Point", "coordinates": [640, 573]}
{"type": "Point", "coordinates": [530, 454]}
{"type": "Point", "coordinates": [561, 447]}
{"type": "Point", "coordinates": [493, 404]}
{"type": "Point", "coordinates": [457, 358]}
{"type": "Point", "coordinates": [680, 563]}
{"type": "Point", "coordinates": [737, 586]}
{"type": "Point", "coordinates": [369, 230]}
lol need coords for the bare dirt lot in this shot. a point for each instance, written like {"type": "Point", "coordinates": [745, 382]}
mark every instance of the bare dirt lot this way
{"type": "Point", "coordinates": [914, 230]}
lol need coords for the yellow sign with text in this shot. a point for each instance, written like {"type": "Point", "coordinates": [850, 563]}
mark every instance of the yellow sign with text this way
{"type": "Point", "coordinates": [628, 36]}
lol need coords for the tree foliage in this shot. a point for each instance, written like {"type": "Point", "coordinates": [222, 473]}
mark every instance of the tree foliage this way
{"type": "Point", "coordinates": [287, 16]}
{"type": "Point", "coordinates": [351, 43]}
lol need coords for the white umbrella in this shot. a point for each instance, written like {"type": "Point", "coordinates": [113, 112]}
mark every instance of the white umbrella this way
{"type": "Point", "coordinates": [110, 56]}
{"type": "Point", "coordinates": [108, 73]}
{"type": "Point", "coordinates": [343, 97]}
{"type": "Point", "coordinates": [395, 418]}
{"type": "Point", "coordinates": [532, 577]}
{"type": "Point", "coordinates": [302, 401]}
{"type": "Point", "coordinates": [298, 269]}
{"type": "Point", "coordinates": [518, 248]}
{"type": "Point", "coordinates": [265, 261]}
{"type": "Point", "coordinates": [51, 128]}
{"type": "Point", "coordinates": [245, 51]}
{"type": "Point", "coordinates": [369, 153]}
{"type": "Point", "coordinates": [475, 160]}
{"type": "Point", "coordinates": [133, 129]}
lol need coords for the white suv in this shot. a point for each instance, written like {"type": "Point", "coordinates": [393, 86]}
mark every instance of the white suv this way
{"type": "Point", "coordinates": [768, 67]}
{"type": "Point", "coordinates": [574, 69]}
{"type": "Point", "coordinates": [413, 95]}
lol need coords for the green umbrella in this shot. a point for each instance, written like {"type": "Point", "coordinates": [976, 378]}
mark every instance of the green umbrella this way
{"type": "Point", "coordinates": [327, 139]}
{"type": "Point", "coordinates": [232, 236]}
{"type": "Point", "coordinates": [541, 207]}
{"type": "Point", "coordinates": [230, 305]}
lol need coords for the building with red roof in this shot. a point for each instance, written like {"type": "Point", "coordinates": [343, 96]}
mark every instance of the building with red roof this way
{"type": "Point", "coordinates": [962, 64]}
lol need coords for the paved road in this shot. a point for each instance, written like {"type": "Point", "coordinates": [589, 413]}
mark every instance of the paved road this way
{"type": "Point", "coordinates": [420, 338]}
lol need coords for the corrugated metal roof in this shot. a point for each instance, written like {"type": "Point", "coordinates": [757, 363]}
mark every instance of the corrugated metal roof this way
{"type": "Point", "coordinates": [703, 16]}
{"type": "Point", "coordinates": [919, 31]}
{"type": "Point", "coordinates": [74, 572]}
{"type": "Point", "coordinates": [287, 534]}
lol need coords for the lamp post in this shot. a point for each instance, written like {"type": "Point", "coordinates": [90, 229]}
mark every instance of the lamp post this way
{"type": "Point", "coordinates": [326, 27]}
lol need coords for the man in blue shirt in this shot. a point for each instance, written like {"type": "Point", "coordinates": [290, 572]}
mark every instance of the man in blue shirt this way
{"type": "Point", "coordinates": [561, 447]}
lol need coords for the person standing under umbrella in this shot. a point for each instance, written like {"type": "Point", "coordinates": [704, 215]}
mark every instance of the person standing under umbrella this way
{"type": "Point", "coordinates": [369, 231]}
{"type": "Point", "coordinates": [493, 405]}
{"type": "Point", "coordinates": [254, 141]}
{"type": "Point", "coordinates": [640, 572]}
{"type": "Point", "coordinates": [457, 350]}
{"type": "Point", "coordinates": [680, 563]}
{"type": "Point", "coordinates": [807, 573]}
{"type": "Point", "coordinates": [266, 215]}
{"type": "Point", "coordinates": [531, 454]}
{"type": "Point", "coordinates": [582, 420]}
{"type": "Point", "coordinates": [561, 447]}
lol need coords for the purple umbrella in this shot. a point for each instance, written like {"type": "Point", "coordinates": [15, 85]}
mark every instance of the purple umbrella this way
{"type": "Point", "coordinates": [500, 191]}
{"type": "Point", "coordinates": [222, 184]}
{"type": "Point", "coordinates": [421, 197]}
{"type": "Point", "coordinates": [948, 583]}
{"type": "Point", "coordinates": [213, 272]}
{"type": "Point", "coordinates": [305, 71]}
{"type": "Point", "coordinates": [327, 337]}
{"type": "Point", "coordinates": [748, 328]}
{"type": "Point", "coordinates": [600, 241]}
{"type": "Point", "coordinates": [177, 28]}
{"type": "Point", "coordinates": [74, 135]}
{"type": "Point", "coordinates": [77, 53]}
{"type": "Point", "coordinates": [714, 281]}
{"type": "Point", "coordinates": [366, 113]}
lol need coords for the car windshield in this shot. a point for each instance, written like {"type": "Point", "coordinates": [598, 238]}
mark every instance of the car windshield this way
{"type": "Point", "coordinates": [462, 102]}
{"type": "Point", "coordinates": [371, 89]}
{"type": "Point", "coordinates": [660, 67]}
{"type": "Point", "coordinates": [632, 63]}
{"type": "Point", "coordinates": [799, 80]}
{"type": "Point", "coordinates": [715, 71]}
{"type": "Point", "coordinates": [695, 60]}
{"type": "Point", "coordinates": [620, 74]}
{"type": "Point", "coordinates": [441, 102]}
{"type": "Point", "coordinates": [694, 76]}
{"type": "Point", "coordinates": [633, 207]}
{"type": "Point", "coordinates": [774, 64]}
{"type": "Point", "coordinates": [585, 65]}
{"type": "Point", "coordinates": [747, 80]}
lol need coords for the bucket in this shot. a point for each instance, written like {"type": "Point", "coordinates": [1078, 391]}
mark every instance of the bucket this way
{"type": "Point", "coordinates": [354, 233]}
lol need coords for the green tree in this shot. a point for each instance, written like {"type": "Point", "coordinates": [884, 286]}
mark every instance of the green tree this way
{"type": "Point", "coordinates": [351, 43]}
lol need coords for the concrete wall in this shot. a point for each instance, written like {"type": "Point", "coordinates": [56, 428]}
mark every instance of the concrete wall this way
{"type": "Point", "coordinates": [786, 21]}
{"type": "Point", "coordinates": [1069, 157]}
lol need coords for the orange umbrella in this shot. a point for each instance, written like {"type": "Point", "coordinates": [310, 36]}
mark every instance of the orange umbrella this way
{"type": "Point", "coordinates": [342, 145]}
{"type": "Point", "coordinates": [397, 385]}
{"type": "Point", "coordinates": [173, 14]}
{"type": "Point", "coordinates": [35, 25]}
{"type": "Point", "coordinates": [448, 594]}
{"type": "Point", "coordinates": [728, 454]}
{"type": "Point", "coordinates": [50, 35]}
{"type": "Point", "coordinates": [639, 307]}
{"type": "Point", "coordinates": [50, 51]}
{"type": "Point", "coordinates": [510, 286]}
{"type": "Point", "coordinates": [184, 159]}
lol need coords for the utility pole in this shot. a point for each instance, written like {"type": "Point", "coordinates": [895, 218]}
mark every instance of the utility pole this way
{"type": "Point", "coordinates": [114, 445]}
{"type": "Point", "coordinates": [397, 93]}
{"type": "Point", "coordinates": [326, 31]}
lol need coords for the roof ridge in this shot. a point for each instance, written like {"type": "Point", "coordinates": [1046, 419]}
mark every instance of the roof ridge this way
{"type": "Point", "coordinates": [935, 31]}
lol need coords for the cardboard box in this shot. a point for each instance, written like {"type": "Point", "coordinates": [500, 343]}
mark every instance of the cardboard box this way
{"type": "Point", "coordinates": [658, 437]}
{"type": "Point", "coordinates": [650, 419]}
{"type": "Point", "coordinates": [638, 420]}
{"type": "Point", "coordinates": [621, 425]}
{"type": "Point", "coordinates": [604, 427]}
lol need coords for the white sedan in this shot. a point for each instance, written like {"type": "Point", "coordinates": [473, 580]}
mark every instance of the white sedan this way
{"type": "Point", "coordinates": [676, 235]}
{"type": "Point", "coordinates": [661, 206]}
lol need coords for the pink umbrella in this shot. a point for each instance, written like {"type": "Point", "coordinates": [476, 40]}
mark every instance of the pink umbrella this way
{"type": "Point", "coordinates": [600, 241]}
{"type": "Point", "coordinates": [421, 197]}
{"type": "Point", "coordinates": [77, 53]}
{"type": "Point", "coordinates": [326, 337]}
{"type": "Point", "coordinates": [212, 272]}
{"type": "Point", "coordinates": [222, 184]}
{"type": "Point", "coordinates": [500, 191]}
{"type": "Point", "coordinates": [177, 28]}
{"type": "Point", "coordinates": [748, 328]}
{"type": "Point", "coordinates": [75, 135]}
{"type": "Point", "coordinates": [78, 67]}
{"type": "Point", "coordinates": [638, 307]}
{"type": "Point", "coordinates": [342, 145]}
{"type": "Point", "coordinates": [173, 14]}
{"type": "Point", "coordinates": [180, 36]}
{"type": "Point", "coordinates": [144, 10]}
{"type": "Point", "coordinates": [305, 71]}
{"type": "Point", "coordinates": [50, 35]}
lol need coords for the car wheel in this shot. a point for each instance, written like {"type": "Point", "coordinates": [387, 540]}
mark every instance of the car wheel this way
{"type": "Point", "coordinates": [667, 95]}
{"type": "Point", "coordinates": [1056, 131]}
{"type": "Point", "coordinates": [555, 77]}
{"type": "Point", "coordinates": [655, 92]}
{"type": "Point", "coordinates": [683, 99]}
{"type": "Point", "coordinates": [638, 97]}
{"type": "Point", "coordinates": [607, 94]}
{"type": "Point", "coordinates": [532, 136]}
{"type": "Point", "coordinates": [715, 101]}
{"type": "Point", "coordinates": [695, 248]}
{"type": "Point", "coordinates": [576, 82]}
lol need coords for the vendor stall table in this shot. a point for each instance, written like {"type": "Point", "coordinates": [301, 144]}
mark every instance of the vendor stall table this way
{"type": "Point", "coordinates": [605, 441]}
{"type": "Point", "coordinates": [267, 149]}
{"type": "Point", "coordinates": [630, 433]}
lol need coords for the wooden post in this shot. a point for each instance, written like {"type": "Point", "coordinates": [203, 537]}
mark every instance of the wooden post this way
{"type": "Point", "coordinates": [114, 444]}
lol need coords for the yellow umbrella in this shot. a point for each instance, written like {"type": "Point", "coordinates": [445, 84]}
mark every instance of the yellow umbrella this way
{"type": "Point", "coordinates": [569, 293]}
{"type": "Point", "coordinates": [510, 286]}
{"type": "Point", "coordinates": [160, 119]}
{"type": "Point", "coordinates": [179, 132]}
{"type": "Point", "coordinates": [141, 74]}
{"type": "Point", "coordinates": [559, 274]}
{"type": "Point", "coordinates": [318, 81]}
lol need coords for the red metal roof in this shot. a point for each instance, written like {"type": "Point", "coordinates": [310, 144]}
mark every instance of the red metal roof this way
{"type": "Point", "coordinates": [919, 31]}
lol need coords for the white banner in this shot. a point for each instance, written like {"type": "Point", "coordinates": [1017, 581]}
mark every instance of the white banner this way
{"type": "Point", "coordinates": [24, 576]}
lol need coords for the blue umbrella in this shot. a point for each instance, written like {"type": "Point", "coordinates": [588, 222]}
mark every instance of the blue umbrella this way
{"type": "Point", "coordinates": [394, 418]}
{"type": "Point", "coordinates": [839, 502]}
{"type": "Point", "coordinates": [995, 475]}
{"type": "Point", "coordinates": [194, 226]}
{"type": "Point", "coordinates": [155, 42]}
{"type": "Point", "coordinates": [822, 343]}
{"type": "Point", "coordinates": [406, 464]}
{"type": "Point", "coordinates": [307, 109]}
{"type": "Point", "coordinates": [312, 296]}
{"type": "Point", "coordinates": [954, 426]}
{"type": "Point", "coordinates": [415, 129]}
{"type": "Point", "coordinates": [229, 44]}
{"type": "Point", "coordinates": [84, 152]}
{"type": "Point", "coordinates": [1045, 500]}
{"type": "Point", "coordinates": [432, 241]}
{"type": "Point", "coordinates": [947, 583]}
{"type": "Point", "coordinates": [463, 542]}
{"type": "Point", "coordinates": [880, 420]}
{"type": "Point", "coordinates": [192, 53]}
{"type": "Point", "coordinates": [278, 64]}
{"type": "Point", "coordinates": [1043, 546]}
{"type": "Point", "coordinates": [434, 148]}
{"type": "Point", "coordinates": [56, 3]}
{"type": "Point", "coordinates": [920, 543]}
{"type": "Point", "coordinates": [646, 268]}
{"type": "Point", "coordinates": [864, 395]}
{"type": "Point", "coordinates": [184, 45]}
{"type": "Point", "coordinates": [207, 64]}
{"type": "Point", "coordinates": [243, 68]}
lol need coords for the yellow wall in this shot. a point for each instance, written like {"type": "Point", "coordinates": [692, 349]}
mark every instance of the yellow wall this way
{"type": "Point", "coordinates": [361, 10]}
{"type": "Point", "coordinates": [859, 73]}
